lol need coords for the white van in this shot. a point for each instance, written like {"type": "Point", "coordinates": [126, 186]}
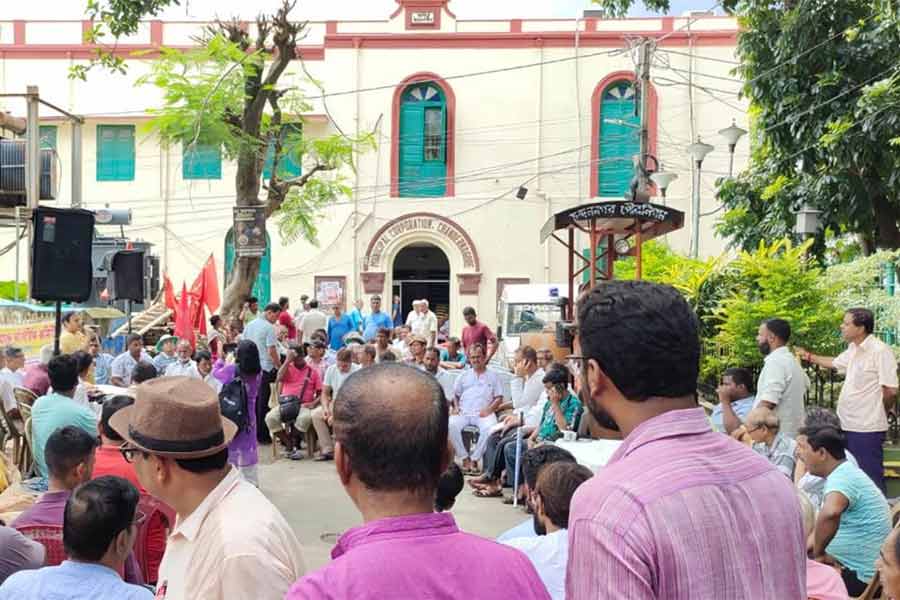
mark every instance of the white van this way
{"type": "Point", "coordinates": [526, 308]}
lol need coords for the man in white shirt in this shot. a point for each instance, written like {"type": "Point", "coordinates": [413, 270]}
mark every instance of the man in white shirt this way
{"type": "Point", "coordinates": [869, 390]}
{"type": "Point", "coordinates": [14, 371]}
{"type": "Point", "coordinates": [782, 383]}
{"type": "Point", "coordinates": [477, 394]}
{"type": "Point", "coordinates": [432, 364]}
{"type": "Point", "coordinates": [400, 345]}
{"type": "Point", "coordinates": [184, 365]}
{"type": "Point", "coordinates": [314, 319]}
{"type": "Point", "coordinates": [423, 322]}
{"type": "Point", "coordinates": [123, 365]}
{"type": "Point", "coordinates": [204, 368]}
{"type": "Point", "coordinates": [549, 551]}
{"type": "Point", "coordinates": [335, 376]}
{"type": "Point", "coordinates": [430, 329]}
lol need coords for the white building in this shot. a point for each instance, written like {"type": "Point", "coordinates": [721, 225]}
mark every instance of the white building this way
{"type": "Point", "coordinates": [464, 112]}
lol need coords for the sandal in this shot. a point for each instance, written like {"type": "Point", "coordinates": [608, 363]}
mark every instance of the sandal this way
{"type": "Point", "coordinates": [488, 493]}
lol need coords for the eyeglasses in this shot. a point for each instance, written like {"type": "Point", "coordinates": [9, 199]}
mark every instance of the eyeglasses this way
{"type": "Point", "coordinates": [755, 428]}
{"type": "Point", "coordinates": [128, 452]}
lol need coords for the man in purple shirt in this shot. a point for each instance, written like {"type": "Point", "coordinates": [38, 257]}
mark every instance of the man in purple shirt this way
{"type": "Point", "coordinates": [679, 512]}
{"type": "Point", "coordinates": [404, 549]}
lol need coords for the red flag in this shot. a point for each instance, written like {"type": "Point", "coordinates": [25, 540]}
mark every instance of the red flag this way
{"type": "Point", "coordinates": [211, 286]}
{"type": "Point", "coordinates": [169, 295]}
{"type": "Point", "coordinates": [183, 327]}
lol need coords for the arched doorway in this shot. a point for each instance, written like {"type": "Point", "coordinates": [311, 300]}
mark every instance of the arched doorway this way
{"type": "Point", "coordinates": [422, 271]}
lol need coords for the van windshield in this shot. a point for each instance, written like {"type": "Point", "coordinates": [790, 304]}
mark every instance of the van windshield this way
{"type": "Point", "coordinates": [524, 318]}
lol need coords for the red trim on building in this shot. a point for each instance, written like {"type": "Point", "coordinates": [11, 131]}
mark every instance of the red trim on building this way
{"type": "Point", "coordinates": [156, 33]}
{"type": "Point", "coordinates": [590, 24]}
{"type": "Point", "coordinates": [423, 7]}
{"type": "Point", "coordinates": [392, 222]}
{"type": "Point", "coordinates": [19, 33]}
{"type": "Point", "coordinates": [331, 27]}
{"type": "Point", "coordinates": [596, 97]}
{"type": "Point", "coordinates": [311, 52]}
{"type": "Point", "coordinates": [515, 26]}
{"type": "Point", "coordinates": [668, 24]}
{"type": "Point", "coordinates": [451, 129]}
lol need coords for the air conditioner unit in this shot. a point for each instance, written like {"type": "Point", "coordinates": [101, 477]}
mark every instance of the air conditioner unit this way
{"type": "Point", "coordinates": [12, 173]}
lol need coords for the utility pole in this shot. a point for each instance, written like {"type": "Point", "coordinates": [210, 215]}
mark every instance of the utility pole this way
{"type": "Point", "coordinates": [32, 168]}
{"type": "Point", "coordinates": [643, 75]}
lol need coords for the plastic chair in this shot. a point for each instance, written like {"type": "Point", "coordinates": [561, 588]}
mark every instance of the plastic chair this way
{"type": "Point", "coordinates": [24, 395]}
{"type": "Point", "coordinates": [50, 537]}
{"type": "Point", "coordinates": [28, 457]}
{"type": "Point", "coordinates": [15, 428]}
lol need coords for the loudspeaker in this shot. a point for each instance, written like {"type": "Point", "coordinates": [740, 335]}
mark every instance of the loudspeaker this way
{"type": "Point", "coordinates": [61, 254]}
{"type": "Point", "coordinates": [128, 275]}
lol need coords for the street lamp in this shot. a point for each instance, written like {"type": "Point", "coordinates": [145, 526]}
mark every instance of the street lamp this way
{"type": "Point", "coordinates": [732, 134]}
{"type": "Point", "coordinates": [663, 180]}
{"type": "Point", "coordinates": [698, 151]}
{"type": "Point", "coordinates": [808, 221]}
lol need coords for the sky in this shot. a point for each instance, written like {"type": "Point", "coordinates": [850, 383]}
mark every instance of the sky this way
{"type": "Point", "coordinates": [337, 9]}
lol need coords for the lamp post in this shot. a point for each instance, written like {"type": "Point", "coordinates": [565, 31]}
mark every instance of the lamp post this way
{"type": "Point", "coordinates": [808, 221]}
{"type": "Point", "coordinates": [698, 151]}
{"type": "Point", "coordinates": [663, 180]}
{"type": "Point", "coordinates": [732, 134]}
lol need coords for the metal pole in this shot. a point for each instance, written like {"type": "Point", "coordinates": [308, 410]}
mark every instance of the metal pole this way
{"type": "Point", "coordinates": [129, 316]}
{"type": "Point", "coordinates": [18, 240]}
{"type": "Point", "coordinates": [32, 166]}
{"type": "Point", "coordinates": [57, 328]}
{"type": "Point", "coordinates": [76, 164]}
{"type": "Point", "coordinates": [571, 250]}
{"type": "Point", "coordinates": [695, 212]}
{"type": "Point", "coordinates": [638, 255]}
{"type": "Point", "coordinates": [645, 60]}
{"type": "Point", "coordinates": [593, 253]}
{"type": "Point", "coordinates": [518, 462]}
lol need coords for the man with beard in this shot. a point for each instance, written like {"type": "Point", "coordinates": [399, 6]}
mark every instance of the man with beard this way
{"type": "Point", "coordinates": [782, 383]}
{"type": "Point", "coordinates": [638, 354]}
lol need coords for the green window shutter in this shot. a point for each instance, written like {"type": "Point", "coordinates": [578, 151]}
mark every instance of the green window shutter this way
{"type": "Point", "coordinates": [412, 148]}
{"type": "Point", "coordinates": [203, 162]}
{"type": "Point", "coordinates": [619, 139]}
{"type": "Point", "coordinates": [291, 163]}
{"type": "Point", "coordinates": [115, 152]}
{"type": "Point", "coordinates": [48, 136]}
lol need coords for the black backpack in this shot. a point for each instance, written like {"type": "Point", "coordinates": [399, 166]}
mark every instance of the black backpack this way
{"type": "Point", "coordinates": [233, 403]}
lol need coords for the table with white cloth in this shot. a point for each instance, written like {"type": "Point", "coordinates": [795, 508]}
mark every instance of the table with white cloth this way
{"type": "Point", "coordinates": [593, 454]}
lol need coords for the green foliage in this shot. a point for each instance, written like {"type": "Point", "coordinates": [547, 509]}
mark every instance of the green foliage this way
{"type": "Point", "coordinates": [8, 290]}
{"type": "Point", "coordinates": [777, 280]}
{"type": "Point", "coordinates": [114, 18]}
{"type": "Point", "coordinates": [858, 284]}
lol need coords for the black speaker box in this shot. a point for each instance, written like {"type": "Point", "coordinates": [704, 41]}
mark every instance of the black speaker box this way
{"type": "Point", "coordinates": [128, 275]}
{"type": "Point", "coordinates": [61, 254]}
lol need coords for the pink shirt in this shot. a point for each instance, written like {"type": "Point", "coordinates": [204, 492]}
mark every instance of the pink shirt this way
{"type": "Point", "coordinates": [479, 333]}
{"type": "Point", "coordinates": [683, 513]}
{"type": "Point", "coordinates": [824, 582]}
{"type": "Point", "coordinates": [420, 556]}
{"type": "Point", "coordinates": [292, 383]}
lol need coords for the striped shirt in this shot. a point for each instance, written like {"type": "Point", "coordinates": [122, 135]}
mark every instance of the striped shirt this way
{"type": "Point", "coordinates": [681, 512]}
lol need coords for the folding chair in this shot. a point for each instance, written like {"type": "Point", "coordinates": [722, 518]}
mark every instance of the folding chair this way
{"type": "Point", "coordinates": [15, 429]}
{"type": "Point", "coordinates": [50, 537]}
{"type": "Point", "coordinates": [28, 456]}
{"type": "Point", "coordinates": [24, 395]}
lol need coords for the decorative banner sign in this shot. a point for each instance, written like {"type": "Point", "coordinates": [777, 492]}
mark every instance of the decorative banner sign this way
{"type": "Point", "coordinates": [330, 291]}
{"type": "Point", "coordinates": [249, 230]}
{"type": "Point", "coordinates": [421, 223]}
{"type": "Point", "coordinates": [30, 337]}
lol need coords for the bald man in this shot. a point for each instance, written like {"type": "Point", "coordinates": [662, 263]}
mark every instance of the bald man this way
{"type": "Point", "coordinates": [763, 426]}
{"type": "Point", "coordinates": [401, 412]}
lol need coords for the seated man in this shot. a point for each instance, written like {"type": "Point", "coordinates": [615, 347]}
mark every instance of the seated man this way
{"type": "Point", "coordinates": [300, 382]}
{"type": "Point", "coordinates": [451, 356]}
{"type": "Point", "coordinates": [184, 365]}
{"type": "Point", "coordinates": [763, 428]}
{"type": "Point", "coordinates": [822, 581]}
{"type": "Point", "coordinates": [99, 528]}
{"type": "Point", "coordinates": [855, 518]}
{"type": "Point", "coordinates": [37, 376]}
{"type": "Point", "coordinates": [109, 461]}
{"type": "Point", "coordinates": [477, 394]}
{"type": "Point", "coordinates": [123, 364]}
{"type": "Point", "coordinates": [322, 418]}
{"type": "Point", "coordinates": [18, 553]}
{"type": "Point", "coordinates": [417, 345]}
{"type": "Point", "coordinates": [813, 485]}
{"type": "Point", "coordinates": [58, 409]}
{"type": "Point", "coordinates": [549, 551]}
{"type": "Point", "coordinates": [432, 365]}
{"type": "Point", "coordinates": [404, 548]}
{"type": "Point", "coordinates": [70, 453]}
{"type": "Point", "coordinates": [735, 400]}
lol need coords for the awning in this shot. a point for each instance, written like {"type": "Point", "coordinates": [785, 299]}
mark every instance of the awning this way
{"type": "Point", "coordinates": [617, 216]}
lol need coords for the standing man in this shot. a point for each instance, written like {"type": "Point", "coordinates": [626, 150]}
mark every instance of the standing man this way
{"type": "Point", "coordinates": [476, 396]}
{"type": "Point", "coordinates": [313, 319]}
{"type": "Point", "coordinates": [736, 399]}
{"type": "Point", "coordinates": [322, 416]}
{"type": "Point", "coordinates": [228, 541]}
{"type": "Point", "coordinates": [250, 310]}
{"type": "Point", "coordinates": [423, 322]}
{"type": "Point", "coordinates": [637, 353]}
{"type": "Point", "coordinates": [262, 333]}
{"type": "Point", "coordinates": [869, 391]}
{"type": "Point", "coordinates": [782, 383]}
{"type": "Point", "coordinates": [375, 320]}
{"type": "Point", "coordinates": [356, 315]}
{"type": "Point", "coordinates": [285, 319]}
{"type": "Point", "coordinates": [404, 549]}
{"type": "Point", "coordinates": [397, 312]}
{"type": "Point", "coordinates": [184, 365]}
{"type": "Point", "coordinates": [430, 329]}
{"type": "Point", "coordinates": [476, 332]}
{"type": "Point", "coordinates": [339, 325]}
{"type": "Point", "coordinates": [123, 365]}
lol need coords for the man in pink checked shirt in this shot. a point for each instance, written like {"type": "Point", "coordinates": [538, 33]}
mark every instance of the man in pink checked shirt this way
{"type": "Point", "coordinates": [679, 512]}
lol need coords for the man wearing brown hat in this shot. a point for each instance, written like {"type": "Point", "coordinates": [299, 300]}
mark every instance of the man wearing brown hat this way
{"type": "Point", "coordinates": [417, 345]}
{"type": "Point", "coordinates": [229, 541]}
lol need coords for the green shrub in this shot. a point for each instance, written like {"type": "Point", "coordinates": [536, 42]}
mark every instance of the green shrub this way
{"type": "Point", "coordinates": [8, 290]}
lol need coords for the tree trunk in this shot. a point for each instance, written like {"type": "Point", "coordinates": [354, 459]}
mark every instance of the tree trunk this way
{"type": "Point", "coordinates": [887, 234]}
{"type": "Point", "coordinates": [239, 287]}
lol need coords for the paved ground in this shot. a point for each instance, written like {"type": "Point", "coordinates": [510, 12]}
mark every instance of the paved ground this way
{"type": "Point", "coordinates": [312, 499]}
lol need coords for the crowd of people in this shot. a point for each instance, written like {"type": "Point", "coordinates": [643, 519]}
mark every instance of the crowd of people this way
{"type": "Point", "coordinates": [156, 489]}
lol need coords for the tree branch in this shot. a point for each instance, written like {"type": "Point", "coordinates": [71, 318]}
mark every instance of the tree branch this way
{"type": "Point", "coordinates": [278, 189]}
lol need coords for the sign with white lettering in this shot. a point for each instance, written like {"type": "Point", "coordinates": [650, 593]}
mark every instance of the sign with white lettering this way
{"type": "Point", "coordinates": [417, 223]}
{"type": "Point", "coordinates": [422, 17]}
